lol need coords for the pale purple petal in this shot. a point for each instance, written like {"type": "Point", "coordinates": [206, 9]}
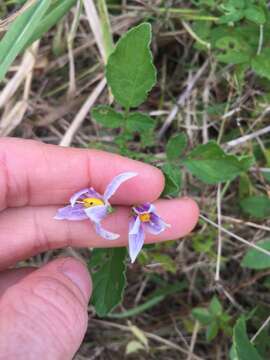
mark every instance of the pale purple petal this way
{"type": "Point", "coordinates": [156, 225]}
{"type": "Point", "coordinates": [84, 193]}
{"type": "Point", "coordinates": [135, 238]}
{"type": "Point", "coordinates": [75, 212]}
{"type": "Point", "coordinates": [104, 233]}
{"type": "Point", "coordinates": [116, 182]}
{"type": "Point", "coordinates": [96, 213]}
{"type": "Point", "coordinates": [144, 208]}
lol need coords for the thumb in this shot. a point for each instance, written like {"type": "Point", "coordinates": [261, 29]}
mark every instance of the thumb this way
{"type": "Point", "coordinates": [44, 316]}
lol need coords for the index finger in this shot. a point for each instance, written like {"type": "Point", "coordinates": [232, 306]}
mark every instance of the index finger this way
{"type": "Point", "coordinates": [33, 173]}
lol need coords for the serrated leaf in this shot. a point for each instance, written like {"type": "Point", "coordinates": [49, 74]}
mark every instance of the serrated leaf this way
{"type": "Point", "coordinates": [210, 164]}
{"type": "Point", "coordinates": [202, 315]}
{"type": "Point", "coordinates": [256, 206]}
{"type": "Point", "coordinates": [107, 116]}
{"type": "Point", "coordinates": [255, 14]}
{"type": "Point", "coordinates": [173, 180]}
{"type": "Point", "coordinates": [261, 64]}
{"type": "Point", "coordinates": [176, 145]}
{"type": "Point", "coordinates": [19, 33]}
{"type": "Point", "coordinates": [130, 71]}
{"type": "Point", "coordinates": [255, 259]}
{"type": "Point", "coordinates": [108, 280]}
{"type": "Point", "coordinates": [243, 348]}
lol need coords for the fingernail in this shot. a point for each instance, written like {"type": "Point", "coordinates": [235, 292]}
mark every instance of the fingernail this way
{"type": "Point", "coordinates": [79, 275]}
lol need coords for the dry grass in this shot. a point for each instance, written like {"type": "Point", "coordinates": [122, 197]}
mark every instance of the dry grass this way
{"type": "Point", "coordinates": [35, 103]}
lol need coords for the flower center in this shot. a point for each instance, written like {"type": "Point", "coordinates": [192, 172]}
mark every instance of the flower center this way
{"type": "Point", "coordinates": [90, 202]}
{"type": "Point", "coordinates": [145, 217]}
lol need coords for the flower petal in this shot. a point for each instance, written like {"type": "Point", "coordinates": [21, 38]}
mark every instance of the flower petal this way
{"type": "Point", "coordinates": [96, 213]}
{"type": "Point", "coordinates": [107, 235]}
{"type": "Point", "coordinates": [135, 238]}
{"type": "Point", "coordinates": [156, 225]}
{"type": "Point", "coordinates": [116, 182]}
{"type": "Point", "coordinates": [144, 208]}
{"type": "Point", "coordinates": [88, 192]}
{"type": "Point", "coordinates": [71, 213]}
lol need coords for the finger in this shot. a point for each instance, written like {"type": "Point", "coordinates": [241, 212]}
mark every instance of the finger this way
{"type": "Point", "coordinates": [25, 232]}
{"type": "Point", "coordinates": [33, 173]}
{"type": "Point", "coordinates": [46, 312]}
{"type": "Point", "coordinates": [11, 277]}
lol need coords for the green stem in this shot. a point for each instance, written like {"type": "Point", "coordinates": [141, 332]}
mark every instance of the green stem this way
{"type": "Point", "coordinates": [189, 14]}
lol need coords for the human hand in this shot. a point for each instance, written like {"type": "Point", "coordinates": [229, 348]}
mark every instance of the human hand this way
{"type": "Point", "coordinates": [43, 313]}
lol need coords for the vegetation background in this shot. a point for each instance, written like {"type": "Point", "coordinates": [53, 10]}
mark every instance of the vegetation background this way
{"type": "Point", "coordinates": [205, 123]}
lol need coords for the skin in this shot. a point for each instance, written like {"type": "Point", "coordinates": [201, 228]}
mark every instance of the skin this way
{"type": "Point", "coordinates": [43, 312]}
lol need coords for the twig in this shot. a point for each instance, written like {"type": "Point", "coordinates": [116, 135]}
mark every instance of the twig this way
{"type": "Point", "coordinates": [147, 334]}
{"type": "Point", "coordinates": [182, 99]}
{"type": "Point", "coordinates": [76, 123]}
{"type": "Point", "coordinates": [248, 137]}
{"type": "Point", "coordinates": [246, 223]}
{"type": "Point", "coordinates": [193, 340]}
{"type": "Point", "coordinates": [239, 238]}
{"type": "Point", "coordinates": [219, 249]}
{"type": "Point", "coordinates": [267, 321]}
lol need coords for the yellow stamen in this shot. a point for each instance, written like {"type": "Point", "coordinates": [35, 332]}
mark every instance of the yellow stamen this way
{"type": "Point", "coordinates": [145, 217]}
{"type": "Point", "coordinates": [90, 202]}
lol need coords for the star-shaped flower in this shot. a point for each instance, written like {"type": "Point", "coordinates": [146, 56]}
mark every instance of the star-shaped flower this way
{"type": "Point", "coordinates": [144, 219]}
{"type": "Point", "coordinates": [89, 204]}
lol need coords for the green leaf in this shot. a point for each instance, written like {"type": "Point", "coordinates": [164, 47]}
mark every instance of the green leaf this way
{"type": "Point", "coordinates": [215, 307]}
{"type": "Point", "coordinates": [56, 11]}
{"type": "Point", "coordinates": [210, 164]}
{"type": "Point", "coordinates": [234, 50]}
{"type": "Point", "coordinates": [109, 279]}
{"type": "Point", "coordinates": [176, 145]}
{"type": "Point", "coordinates": [139, 122]}
{"type": "Point", "coordinates": [256, 206]}
{"type": "Point", "coordinates": [255, 14]}
{"type": "Point", "coordinates": [202, 315]}
{"type": "Point", "coordinates": [130, 71]}
{"type": "Point", "coordinates": [261, 64]}
{"type": "Point", "coordinates": [212, 330]}
{"type": "Point", "coordinates": [243, 347]}
{"type": "Point", "coordinates": [173, 180]}
{"type": "Point", "coordinates": [19, 33]}
{"type": "Point", "coordinates": [254, 259]}
{"type": "Point", "coordinates": [107, 116]}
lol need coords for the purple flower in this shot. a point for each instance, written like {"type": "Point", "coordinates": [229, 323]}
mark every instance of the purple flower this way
{"type": "Point", "coordinates": [89, 204]}
{"type": "Point", "coordinates": [144, 218]}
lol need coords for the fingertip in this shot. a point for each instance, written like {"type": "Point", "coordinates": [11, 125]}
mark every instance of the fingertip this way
{"type": "Point", "coordinates": [182, 214]}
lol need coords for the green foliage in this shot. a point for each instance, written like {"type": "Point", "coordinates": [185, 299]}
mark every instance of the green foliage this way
{"type": "Point", "coordinates": [173, 180]}
{"type": "Point", "coordinates": [210, 164]}
{"type": "Point", "coordinates": [257, 260]}
{"type": "Point", "coordinates": [256, 206]}
{"type": "Point", "coordinates": [260, 63]}
{"type": "Point", "coordinates": [19, 33]}
{"type": "Point", "coordinates": [243, 349]}
{"type": "Point", "coordinates": [214, 318]}
{"type": "Point", "coordinates": [130, 71]}
{"type": "Point", "coordinates": [175, 146]}
{"type": "Point", "coordinates": [108, 272]}
{"type": "Point", "coordinates": [107, 116]}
